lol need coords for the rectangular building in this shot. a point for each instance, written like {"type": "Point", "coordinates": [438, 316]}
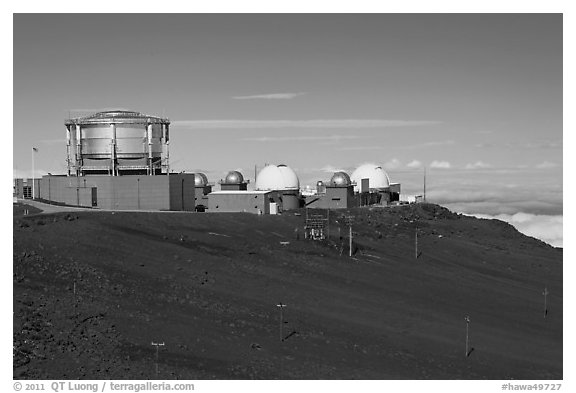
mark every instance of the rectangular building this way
{"type": "Point", "coordinates": [340, 197]}
{"type": "Point", "coordinates": [258, 202]}
{"type": "Point", "coordinates": [166, 192]}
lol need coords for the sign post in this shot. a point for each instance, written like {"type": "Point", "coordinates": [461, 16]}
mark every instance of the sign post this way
{"type": "Point", "coordinates": [467, 319]}
{"type": "Point", "coordinates": [157, 345]}
{"type": "Point", "coordinates": [281, 307]}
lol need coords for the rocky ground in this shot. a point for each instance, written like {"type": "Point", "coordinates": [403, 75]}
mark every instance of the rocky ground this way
{"type": "Point", "coordinates": [93, 290]}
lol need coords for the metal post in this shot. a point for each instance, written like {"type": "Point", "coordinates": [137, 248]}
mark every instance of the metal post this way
{"type": "Point", "coordinates": [416, 243]}
{"type": "Point", "coordinates": [149, 135]}
{"type": "Point", "coordinates": [167, 149]}
{"type": "Point", "coordinates": [350, 239]}
{"type": "Point", "coordinates": [545, 293]}
{"type": "Point", "coordinates": [328, 229]}
{"type": "Point", "coordinates": [467, 319]}
{"type": "Point", "coordinates": [34, 150]}
{"type": "Point", "coordinates": [68, 148]}
{"type": "Point", "coordinates": [79, 162]}
{"type": "Point", "coordinates": [138, 191]}
{"type": "Point", "coordinates": [281, 306]}
{"type": "Point", "coordinates": [113, 149]}
{"type": "Point", "coordinates": [157, 345]}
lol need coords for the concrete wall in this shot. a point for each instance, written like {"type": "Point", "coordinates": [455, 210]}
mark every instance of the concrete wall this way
{"type": "Point", "coordinates": [234, 187]}
{"type": "Point", "coordinates": [174, 192]}
{"type": "Point", "coordinates": [182, 191]}
{"type": "Point", "coordinates": [242, 202]}
{"type": "Point", "coordinates": [66, 190]}
{"type": "Point", "coordinates": [201, 195]}
{"type": "Point", "coordinates": [334, 198]}
{"type": "Point", "coordinates": [290, 200]}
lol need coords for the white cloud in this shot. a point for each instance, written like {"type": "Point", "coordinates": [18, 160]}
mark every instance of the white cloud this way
{"type": "Point", "coordinates": [429, 144]}
{"type": "Point", "coordinates": [478, 165]}
{"type": "Point", "coordinates": [392, 164]}
{"type": "Point", "coordinates": [358, 148]}
{"type": "Point", "coordinates": [319, 123]}
{"type": "Point", "coordinates": [331, 169]}
{"type": "Point", "coordinates": [414, 164]}
{"type": "Point", "coordinates": [546, 165]}
{"type": "Point", "coordinates": [308, 138]}
{"type": "Point", "coordinates": [440, 164]}
{"type": "Point", "coordinates": [273, 96]}
{"type": "Point", "coordinates": [546, 228]}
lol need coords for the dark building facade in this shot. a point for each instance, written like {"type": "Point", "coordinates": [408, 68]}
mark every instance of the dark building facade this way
{"type": "Point", "coordinates": [169, 192]}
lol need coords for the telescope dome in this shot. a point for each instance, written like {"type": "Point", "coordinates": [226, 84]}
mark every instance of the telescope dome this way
{"type": "Point", "coordinates": [234, 177]}
{"type": "Point", "coordinates": [277, 177]}
{"type": "Point", "coordinates": [377, 176]}
{"type": "Point", "coordinates": [200, 180]}
{"type": "Point", "coordinates": [340, 179]}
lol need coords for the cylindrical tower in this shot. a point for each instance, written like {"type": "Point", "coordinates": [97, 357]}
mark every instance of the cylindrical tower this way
{"type": "Point", "coordinates": [117, 143]}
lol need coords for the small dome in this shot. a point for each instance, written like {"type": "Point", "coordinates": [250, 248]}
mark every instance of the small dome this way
{"type": "Point", "coordinates": [277, 177]}
{"type": "Point", "coordinates": [378, 178]}
{"type": "Point", "coordinates": [200, 179]}
{"type": "Point", "coordinates": [234, 177]}
{"type": "Point", "coordinates": [340, 179]}
{"type": "Point", "coordinates": [320, 183]}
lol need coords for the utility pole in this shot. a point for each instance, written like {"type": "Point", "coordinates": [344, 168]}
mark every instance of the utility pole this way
{"type": "Point", "coordinates": [34, 150]}
{"type": "Point", "coordinates": [545, 293]}
{"type": "Point", "coordinates": [328, 225]}
{"type": "Point", "coordinates": [281, 307]}
{"type": "Point", "coordinates": [350, 240]}
{"type": "Point", "coordinates": [416, 243]}
{"type": "Point", "coordinates": [349, 220]}
{"type": "Point", "coordinates": [157, 345]}
{"type": "Point", "coordinates": [467, 319]}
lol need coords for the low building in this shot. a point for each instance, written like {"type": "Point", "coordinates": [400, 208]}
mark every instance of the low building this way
{"type": "Point", "coordinates": [168, 192]}
{"type": "Point", "coordinates": [201, 191]}
{"type": "Point", "coordinates": [337, 194]}
{"type": "Point", "coordinates": [234, 201]}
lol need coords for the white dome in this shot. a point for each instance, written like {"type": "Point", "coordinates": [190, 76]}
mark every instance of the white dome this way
{"type": "Point", "coordinates": [277, 177]}
{"type": "Point", "coordinates": [378, 177]}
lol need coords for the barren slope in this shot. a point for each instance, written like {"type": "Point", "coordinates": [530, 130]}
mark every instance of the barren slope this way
{"type": "Point", "coordinates": [92, 290]}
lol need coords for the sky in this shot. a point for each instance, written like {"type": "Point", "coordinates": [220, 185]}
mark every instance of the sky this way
{"type": "Point", "coordinates": [473, 99]}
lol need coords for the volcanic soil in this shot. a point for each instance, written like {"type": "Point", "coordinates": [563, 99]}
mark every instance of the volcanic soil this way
{"type": "Point", "coordinates": [93, 290]}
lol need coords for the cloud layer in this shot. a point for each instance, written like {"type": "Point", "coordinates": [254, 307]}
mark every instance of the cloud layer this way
{"type": "Point", "coordinates": [546, 228]}
{"type": "Point", "coordinates": [440, 164]}
{"type": "Point", "coordinates": [273, 96]}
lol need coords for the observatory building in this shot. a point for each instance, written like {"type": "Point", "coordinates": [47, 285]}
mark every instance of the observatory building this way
{"type": "Point", "coordinates": [373, 185]}
{"type": "Point", "coordinates": [338, 193]}
{"type": "Point", "coordinates": [282, 179]}
{"type": "Point", "coordinates": [277, 189]}
{"type": "Point", "coordinates": [368, 185]}
{"type": "Point", "coordinates": [234, 197]}
{"type": "Point", "coordinates": [234, 181]}
{"type": "Point", "coordinates": [118, 160]}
